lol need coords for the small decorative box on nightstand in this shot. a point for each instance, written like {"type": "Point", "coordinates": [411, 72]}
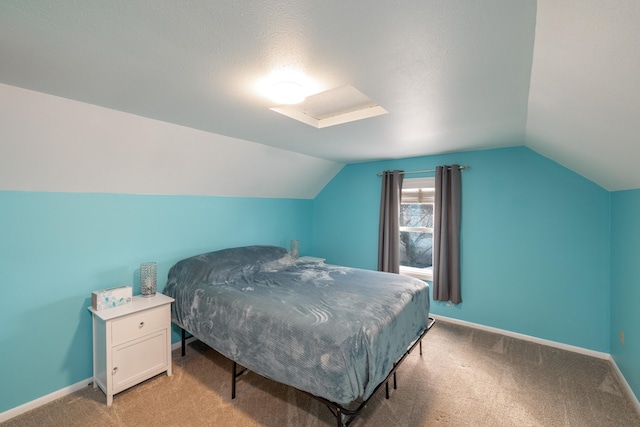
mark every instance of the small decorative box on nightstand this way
{"type": "Point", "coordinates": [131, 343]}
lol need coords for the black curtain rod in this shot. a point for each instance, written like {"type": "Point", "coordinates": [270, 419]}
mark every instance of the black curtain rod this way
{"type": "Point", "coordinates": [425, 171]}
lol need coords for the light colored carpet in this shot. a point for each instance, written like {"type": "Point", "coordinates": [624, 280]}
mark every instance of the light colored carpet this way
{"type": "Point", "coordinates": [465, 377]}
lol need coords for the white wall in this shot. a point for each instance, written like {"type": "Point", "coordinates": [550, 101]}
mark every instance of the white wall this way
{"type": "Point", "coordinates": [48, 143]}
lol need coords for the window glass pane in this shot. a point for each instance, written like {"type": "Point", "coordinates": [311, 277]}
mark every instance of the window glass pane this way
{"type": "Point", "coordinates": [416, 215]}
{"type": "Point", "coordinates": [416, 249]}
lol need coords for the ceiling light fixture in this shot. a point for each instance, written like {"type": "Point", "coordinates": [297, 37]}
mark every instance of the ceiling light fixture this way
{"type": "Point", "coordinates": [286, 86]}
{"type": "Point", "coordinates": [287, 93]}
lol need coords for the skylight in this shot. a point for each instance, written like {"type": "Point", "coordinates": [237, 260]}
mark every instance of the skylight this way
{"type": "Point", "coordinates": [333, 107]}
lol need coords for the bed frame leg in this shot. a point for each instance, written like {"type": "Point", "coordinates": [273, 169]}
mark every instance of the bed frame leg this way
{"type": "Point", "coordinates": [234, 376]}
{"type": "Point", "coordinates": [233, 379]}
{"type": "Point", "coordinates": [395, 383]}
{"type": "Point", "coordinates": [184, 340]}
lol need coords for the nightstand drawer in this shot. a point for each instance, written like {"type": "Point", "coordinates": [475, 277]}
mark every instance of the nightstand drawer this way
{"type": "Point", "coordinates": [139, 324]}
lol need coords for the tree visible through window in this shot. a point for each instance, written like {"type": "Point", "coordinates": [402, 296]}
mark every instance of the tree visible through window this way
{"type": "Point", "coordinates": [416, 227]}
{"type": "Point", "coordinates": [416, 235]}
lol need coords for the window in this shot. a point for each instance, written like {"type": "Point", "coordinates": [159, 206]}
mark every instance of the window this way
{"type": "Point", "coordinates": [416, 227]}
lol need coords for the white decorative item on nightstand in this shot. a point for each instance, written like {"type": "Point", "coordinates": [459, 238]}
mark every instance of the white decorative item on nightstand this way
{"type": "Point", "coordinates": [131, 343]}
{"type": "Point", "coordinates": [311, 259]}
{"type": "Point", "coordinates": [294, 248]}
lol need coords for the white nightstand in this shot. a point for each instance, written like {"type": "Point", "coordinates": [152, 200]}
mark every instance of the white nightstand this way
{"type": "Point", "coordinates": [131, 343]}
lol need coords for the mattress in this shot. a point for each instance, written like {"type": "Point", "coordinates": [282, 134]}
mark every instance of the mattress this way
{"type": "Point", "coordinates": [332, 331]}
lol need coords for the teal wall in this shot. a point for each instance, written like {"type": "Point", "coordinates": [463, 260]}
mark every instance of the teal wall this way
{"type": "Point", "coordinates": [56, 248]}
{"type": "Point", "coordinates": [625, 284]}
{"type": "Point", "coordinates": [545, 253]}
{"type": "Point", "coordinates": [535, 241]}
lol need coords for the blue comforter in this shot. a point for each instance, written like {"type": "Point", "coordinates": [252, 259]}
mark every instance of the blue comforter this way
{"type": "Point", "coordinates": [332, 331]}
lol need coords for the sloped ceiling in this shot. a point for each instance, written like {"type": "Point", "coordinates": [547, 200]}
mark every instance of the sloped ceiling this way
{"type": "Point", "coordinates": [559, 77]}
{"type": "Point", "coordinates": [584, 102]}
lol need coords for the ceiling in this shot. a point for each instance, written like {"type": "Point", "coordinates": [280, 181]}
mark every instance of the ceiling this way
{"type": "Point", "coordinates": [559, 77]}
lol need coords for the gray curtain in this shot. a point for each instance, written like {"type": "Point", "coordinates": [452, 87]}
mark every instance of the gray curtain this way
{"type": "Point", "coordinates": [389, 231]}
{"type": "Point", "coordinates": [446, 235]}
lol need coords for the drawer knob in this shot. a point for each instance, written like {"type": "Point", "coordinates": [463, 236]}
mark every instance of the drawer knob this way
{"type": "Point", "coordinates": [115, 370]}
{"type": "Point", "coordinates": [141, 325]}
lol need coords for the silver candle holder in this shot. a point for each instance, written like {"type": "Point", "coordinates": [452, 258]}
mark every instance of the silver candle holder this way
{"type": "Point", "coordinates": [148, 279]}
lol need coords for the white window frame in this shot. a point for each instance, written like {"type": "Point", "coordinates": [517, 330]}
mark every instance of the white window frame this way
{"type": "Point", "coordinates": [416, 183]}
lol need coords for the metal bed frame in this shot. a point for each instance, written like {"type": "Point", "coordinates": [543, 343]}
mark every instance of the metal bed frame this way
{"type": "Point", "coordinates": [344, 416]}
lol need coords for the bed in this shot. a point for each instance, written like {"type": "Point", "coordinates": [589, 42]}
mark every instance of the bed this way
{"type": "Point", "coordinates": [334, 332]}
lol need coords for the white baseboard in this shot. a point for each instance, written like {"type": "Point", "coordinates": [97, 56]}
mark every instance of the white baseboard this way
{"type": "Point", "coordinates": [625, 384]}
{"type": "Point", "coordinates": [575, 349]}
{"type": "Point", "coordinates": [18, 410]}
{"type": "Point", "coordinates": [178, 344]}
{"type": "Point", "coordinates": [4, 416]}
